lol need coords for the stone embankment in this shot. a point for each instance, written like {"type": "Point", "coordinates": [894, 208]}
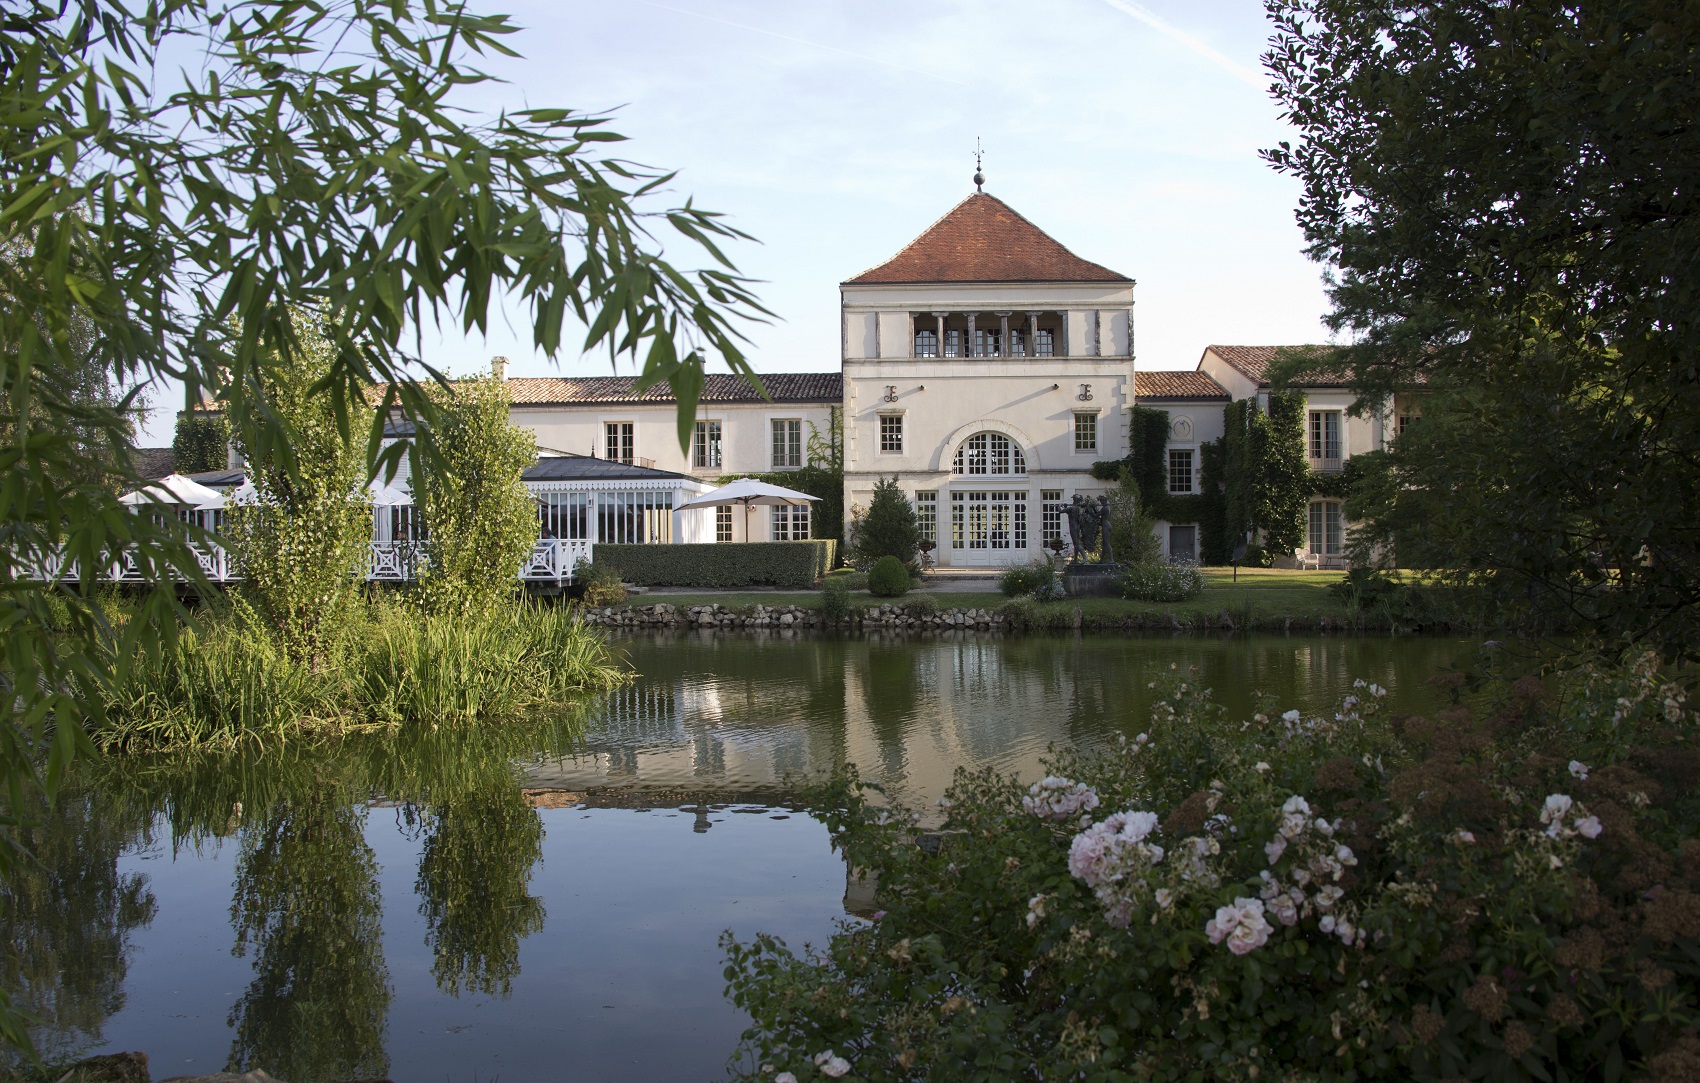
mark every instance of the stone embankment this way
{"type": "Point", "coordinates": [662, 615]}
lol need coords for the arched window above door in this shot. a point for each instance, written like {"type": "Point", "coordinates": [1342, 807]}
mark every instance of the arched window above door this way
{"type": "Point", "coordinates": [989, 454]}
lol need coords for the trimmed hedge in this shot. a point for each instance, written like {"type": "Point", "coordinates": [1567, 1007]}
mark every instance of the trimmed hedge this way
{"type": "Point", "coordinates": [793, 564]}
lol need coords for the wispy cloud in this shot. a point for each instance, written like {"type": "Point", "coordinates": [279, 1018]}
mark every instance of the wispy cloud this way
{"type": "Point", "coordinates": [1216, 57]}
{"type": "Point", "coordinates": [804, 41]}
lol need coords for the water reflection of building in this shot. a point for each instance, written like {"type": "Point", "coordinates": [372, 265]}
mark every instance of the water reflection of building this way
{"type": "Point", "coordinates": [906, 712]}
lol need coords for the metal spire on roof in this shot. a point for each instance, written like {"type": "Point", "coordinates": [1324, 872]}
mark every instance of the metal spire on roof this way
{"type": "Point", "coordinates": [979, 177]}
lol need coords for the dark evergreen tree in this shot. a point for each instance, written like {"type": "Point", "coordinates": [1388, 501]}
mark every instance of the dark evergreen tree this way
{"type": "Point", "coordinates": [888, 528]}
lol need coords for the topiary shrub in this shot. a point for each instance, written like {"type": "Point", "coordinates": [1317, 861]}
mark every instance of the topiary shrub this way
{"type": "Point", "coordinates": [1154, 582]}
{"type": "Point", "coordinates": [889, 578]}
{"type": "Point", "coordinates": [835, 599]}
{"type": "Point", "coordinates": [1256, 556]}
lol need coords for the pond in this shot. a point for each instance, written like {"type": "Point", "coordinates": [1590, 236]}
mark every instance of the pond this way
{"type": "Point", "coordinates": [545, 901]}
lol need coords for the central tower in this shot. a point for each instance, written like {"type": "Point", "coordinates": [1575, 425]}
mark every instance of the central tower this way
{"type": "Point", "coordinates": [987, 367]}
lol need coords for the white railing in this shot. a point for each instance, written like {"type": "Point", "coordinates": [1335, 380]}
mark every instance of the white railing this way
{"type": "Point", "coordinates": [553, 559]}
{"type": "Point", "coordinates": [216, 564]}
{"type": "Point", "coordinates": [394, 561]}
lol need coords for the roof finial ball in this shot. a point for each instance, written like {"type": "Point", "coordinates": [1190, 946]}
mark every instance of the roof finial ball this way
{"type": "Point", "coordinates": [979, 177]}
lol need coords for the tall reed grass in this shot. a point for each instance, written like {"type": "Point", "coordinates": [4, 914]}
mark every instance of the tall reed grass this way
{"type": "Point", "coordinates": [229, 683]}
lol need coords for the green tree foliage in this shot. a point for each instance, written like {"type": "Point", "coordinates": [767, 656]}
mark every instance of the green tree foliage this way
{"type": "Point", "coordinates": [1504, 194]}
{"type": "Point", "coordinates": [481, 518]}
{"type": "Point", "coordinates": [202, 442]}
{"type": "Point", "coordinates": [305, 544]}
{"type": "Point", "coordinates": [887, 528]}
{"type": "Point", "coordinates": [312, 154]}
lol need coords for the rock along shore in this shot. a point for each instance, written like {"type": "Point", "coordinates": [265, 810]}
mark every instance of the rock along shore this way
{"type": "Point", "coordinates": [663, 615]}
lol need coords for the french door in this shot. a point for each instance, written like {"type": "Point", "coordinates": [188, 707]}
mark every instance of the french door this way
{"type": "Point", "coordinates": [988, 528]}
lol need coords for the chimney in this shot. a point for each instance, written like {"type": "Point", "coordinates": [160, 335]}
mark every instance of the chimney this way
{"type": "Point", "coordinates": [499, 367]}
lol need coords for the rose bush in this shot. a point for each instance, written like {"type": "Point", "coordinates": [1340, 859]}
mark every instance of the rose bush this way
{"type": "Point", "coordinates": [1509, 889]}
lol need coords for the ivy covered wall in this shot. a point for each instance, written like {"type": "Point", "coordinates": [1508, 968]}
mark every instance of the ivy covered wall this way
{"type": "Point", "coordinates": [1255, 479]}
{"type": "Point", "coordinates": [202, 443]}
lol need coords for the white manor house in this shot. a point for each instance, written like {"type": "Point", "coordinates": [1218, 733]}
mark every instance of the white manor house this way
{"type": "Point", "coordinates": [985, 366]}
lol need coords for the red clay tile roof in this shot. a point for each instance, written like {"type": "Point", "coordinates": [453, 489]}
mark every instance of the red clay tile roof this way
{"type": "Point", "coordinates": [983, 240]}
{"type": "Point", "coordinates": [1254, 361]}
{"type": "Point", "coordinates": [809, 387]}
{"type": "Point", "coordinates": [153, 462]}
{"type": "Point", "coordinates": [1185, 384]}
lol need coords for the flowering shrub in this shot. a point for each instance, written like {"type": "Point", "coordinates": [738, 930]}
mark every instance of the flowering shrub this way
{"type": "Point", "coordinates": [1154, 581]}
{"type": "Point", "coordinates": [1509, 889]}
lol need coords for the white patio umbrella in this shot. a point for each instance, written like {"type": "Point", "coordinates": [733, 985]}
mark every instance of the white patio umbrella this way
{"type": "Point", "coordinates": [388, 496]}
{"type": "Point", "coordinates": [383, 496]}
{"type": "Point", "coordinates": [176, 489]}
{"type": "Point", "coordinates": [748, 492]}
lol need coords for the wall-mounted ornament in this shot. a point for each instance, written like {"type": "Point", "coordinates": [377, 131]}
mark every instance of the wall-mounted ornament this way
{"type": "Point", "coordinates": [1085, 393]}
{"type": "Point", "coordinates": [891, 392]}
{"type": "Point", "coordinates": [1182, 429]}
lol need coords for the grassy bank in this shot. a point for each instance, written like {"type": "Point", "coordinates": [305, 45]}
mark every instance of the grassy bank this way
{"type": "Point", "coordinates": [1259, 598]}
{"type": "Point", "coordinates": [228, 683]}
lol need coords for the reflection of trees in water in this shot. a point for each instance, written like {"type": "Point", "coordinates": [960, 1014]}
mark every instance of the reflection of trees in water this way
{"type": "Point", "coordinates": [66, 917]}
{"type": "Point", "coordinates": [891, 688]}
{"type": "Point", "coordinates": [477, 862]}
{"type": "Point", "coordinates": [307, 902]}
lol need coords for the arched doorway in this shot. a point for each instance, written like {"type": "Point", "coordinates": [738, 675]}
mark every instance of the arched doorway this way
{"type": "Point", "coordinates": [988, 503]}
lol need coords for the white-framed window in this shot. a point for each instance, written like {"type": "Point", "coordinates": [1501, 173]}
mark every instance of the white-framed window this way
{"type": "Point", "coordinates": [990, 454]}
{"type": "Point", "coordinates": [1325, 443]}
{"type": "Point", "coordinates": [927, 516]}
{"type": "Point", "coordinates": [1044, 343]}
{"type": "Point", "coordinates": [705, 446]}
{"type": "Point", "coordinates": [891, 434]}
{"type": "Point", "coordinates": [1325, 528]}
{"type": "Point", "coordinates": [634, 518]}
{"type": "Point", "coordinates": [723, 523]}
{"type": "Point", "coordinates": [790, 523]}
{"type": "Point", "coordinates": [986, 344]}
{"type": "Point", "coordinates": [953, 343]}
{"type": "Point", "coordinates": [1405, 421]}
{"type": "Point", "coordinates": [1180, 470]}
{"type": "Point", "coordinates": [1050, 515]}
{"type": "Point", "coordinates": [621, 441]}
{"type": "Point", "coordinates": [926, 343]}
{"type": "Point", "coordinates": [1017, 344]}
{"type": "Point", "coordinates": [787, 443]}
{"type": "Point", "coordinates": [1086, 433]}
{"type": "Point", "coordinates": [559, 515]}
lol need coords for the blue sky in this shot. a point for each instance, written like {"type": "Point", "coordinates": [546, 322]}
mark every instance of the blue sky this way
{"type": "Point", "coordinates": [835, 132]}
